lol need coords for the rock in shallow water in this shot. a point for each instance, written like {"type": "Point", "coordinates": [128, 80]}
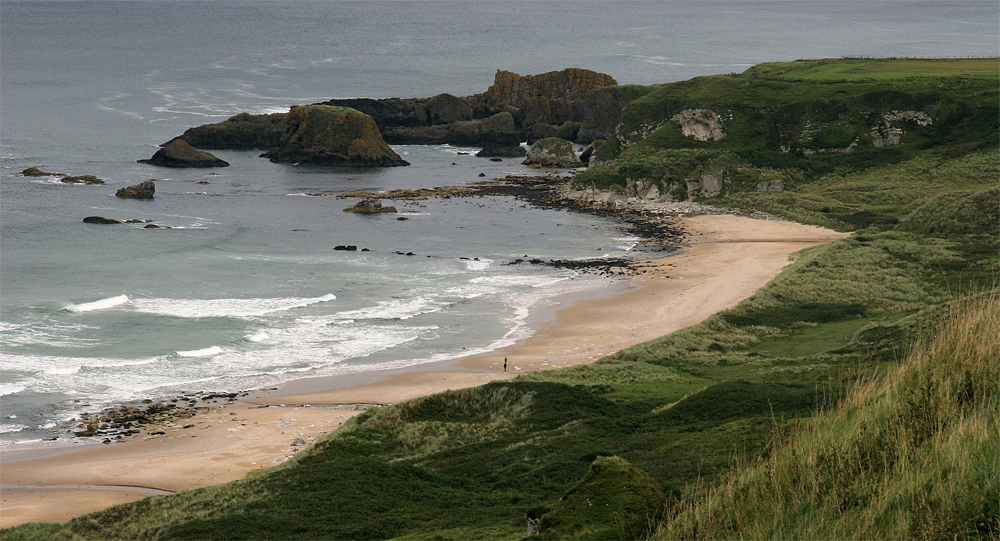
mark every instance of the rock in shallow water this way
{"type": "Point", "coordinates": [178, 153]}
{"type": "Point", "coordinates": [143, 190]}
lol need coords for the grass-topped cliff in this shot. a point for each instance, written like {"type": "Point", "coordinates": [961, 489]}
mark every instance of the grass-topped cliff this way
{"type": "Point", "coordinates": [820, 407]}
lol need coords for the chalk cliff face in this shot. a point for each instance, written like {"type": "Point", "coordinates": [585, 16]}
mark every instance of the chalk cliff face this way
{"type": "Point", "coordinates": [322, 134]}
{"type": "Point", "coordinates": [701, 124]}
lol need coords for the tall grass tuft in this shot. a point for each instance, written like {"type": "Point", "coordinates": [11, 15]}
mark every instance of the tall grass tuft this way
{"type": "Point", "coordinates": [912, 455]}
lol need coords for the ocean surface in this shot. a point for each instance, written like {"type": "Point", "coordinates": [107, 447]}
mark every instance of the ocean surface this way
{"type": "Point", "coordinates": [240, 288]}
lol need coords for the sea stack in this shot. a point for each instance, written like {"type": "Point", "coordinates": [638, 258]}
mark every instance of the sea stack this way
{"type": "Point", "coordinates": [331, 135]}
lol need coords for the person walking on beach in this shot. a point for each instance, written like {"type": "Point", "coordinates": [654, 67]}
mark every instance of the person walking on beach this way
{"type": "Point", "coordinates": [505, 364]}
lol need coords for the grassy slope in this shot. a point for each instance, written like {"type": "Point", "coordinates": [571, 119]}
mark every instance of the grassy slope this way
{"type": "Point", "coordinates": [677, 412]}
{"type": "Point", "coordinates": [911, 455]}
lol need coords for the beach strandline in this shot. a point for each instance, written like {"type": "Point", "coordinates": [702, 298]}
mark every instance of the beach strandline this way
{"type": "Point", "coordinates": [723, 261]}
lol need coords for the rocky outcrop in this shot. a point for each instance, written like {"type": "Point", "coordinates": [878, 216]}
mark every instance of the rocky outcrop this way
{"type": "Point", "coordinates": [553, 89]}
{"type": "Point", "coordinates": [499, 137]}
{"type": "Point", "coordinates": [553, 152]}
{"type": "Point", "coordinates": [370, 206]}
{"type": "Point", "coordinates": [241, 131]}
{"type": "Point", "coordinates": [775, 185]}
{"type": "Point", "coordinates": [82, 179]}
{"type": "Point", "coordinates": [444, 109]}
{"type": "Point", "coordinates": [179, 153]}
{"type": "Point", "coordinates": [701, 124]}
{"type": "Point", "coordinates": [36, 172]}
{"type": "Point", "coordinates": [890, 130]}
{"type": "Point", "coordinates": [143, 190]}
{"type": "Point", "coordinates": [328, 135]}
{"type": "Point", "coordinates": [587, 154]}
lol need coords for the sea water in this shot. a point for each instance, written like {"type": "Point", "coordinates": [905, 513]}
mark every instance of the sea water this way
{"type": "Point", "coordinates": [240, 287]}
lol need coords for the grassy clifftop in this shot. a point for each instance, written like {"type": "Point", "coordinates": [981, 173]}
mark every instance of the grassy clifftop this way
{"type": "Point", "coordinates": [813, 409]}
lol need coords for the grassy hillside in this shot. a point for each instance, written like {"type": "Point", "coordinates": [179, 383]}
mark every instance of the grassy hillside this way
{"type": "Point", "coordinates": [667, 438]}
{"type": "Point", "coordinates": [909, 455]}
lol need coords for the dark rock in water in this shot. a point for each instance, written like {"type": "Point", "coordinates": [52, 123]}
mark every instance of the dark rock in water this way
{"type": "Point", "coordinates": [348, 247]}
{"type": "Point", "coordinates": [143, 190]}
{"type": "Point", "coordinates": [152, 226]}
{"type": "Point", "coordinates": [178, 153]}
{"type": "Point", "coordinates": [482, 174]}
{"type": "Point", "coordinates": [589, 150]}
{"type": "Point", "coordinates": [83, 179]}
{"type": "Point", "coordinates": [327, 135]}
{"type": "Point", "coordinates": [100, 220]}
{"type": "Point", "coordinates": [499, 137]}
{"type": "Point", "coordinates": [496, 160]}
{"type": "Point", "coordinates": [36, 172]}
{"type": "Point", "coordinates": [553, 152]}
{"type": "Point", "coordinates": [240, 131]}
{"type": "Point", "coordinates": [370, 206]}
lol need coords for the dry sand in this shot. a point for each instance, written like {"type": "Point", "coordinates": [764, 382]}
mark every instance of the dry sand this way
{"type": "Point", "coordinates": [724, 261]}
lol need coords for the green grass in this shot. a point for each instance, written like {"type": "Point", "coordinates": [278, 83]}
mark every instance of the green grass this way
{"type": "Point", "coordinates": [879, 69]}
{"type": "Point", "coordinates": [911, 455]}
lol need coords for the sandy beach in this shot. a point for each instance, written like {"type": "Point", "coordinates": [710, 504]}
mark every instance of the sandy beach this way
{"type": "Point", "coordinates": [724, 260]}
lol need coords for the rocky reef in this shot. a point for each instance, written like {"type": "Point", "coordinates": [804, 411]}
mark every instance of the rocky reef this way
{"type": "Point", "coordinates": [240, 131]}
{"type": "Point", "coordinates": [179, 153]}
{"type": "Point", "coordinates": [370, 206]}
{"type": "Point", "coordinates": [329, 135]}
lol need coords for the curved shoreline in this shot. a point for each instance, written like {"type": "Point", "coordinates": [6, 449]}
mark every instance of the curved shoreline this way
{"type": "Point", "coordinates": [724, 260]}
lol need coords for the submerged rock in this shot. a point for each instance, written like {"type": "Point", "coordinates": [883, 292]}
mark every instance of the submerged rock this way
{"type": "Point", "coordinates": [329, 135]}
{"type": "Point", "coordinates": [100, 220]}
{"type": "Point", "coordinates": [370, 206]}
{"type": "Point", "coordinates": [178, 153]}
{"type": "Point", "coordinates": [553, 152]}
{"type": "Point", "coordinates": [143, 190]}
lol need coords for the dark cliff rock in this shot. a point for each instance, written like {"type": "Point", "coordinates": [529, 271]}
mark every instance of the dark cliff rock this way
{"type": "Point", "coordinates": [322, 134]}
{"type": "Point", "coordinates": [100, 220]}
{"type": "Point", "coordinates": [499, 137]}
{"type": "Point", "coordinates": [143, 190]}
{"type": "Point", "coordinates": [241, 131]}
{"type": "Point", "coordinates": [559, 87]}
{"type": "Point", "coordinates": [178, 153]}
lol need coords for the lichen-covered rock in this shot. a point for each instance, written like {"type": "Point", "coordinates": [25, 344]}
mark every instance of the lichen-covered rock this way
{"type": "Point", "coordinates": [329, 135]}
{"type": "Point", "coordinates": [499, 137]}
{"type": "Point", "coordinates": [701, 124]}
{"type": "Point", "coordinates": [143, 190]}
{"type": "Point", "coordinates": [553, 152]}
{"type": "Point", "coordinates": [517, 90]}
{"type": "Point", "coordinates": [240, 131]}
{"type": "Point", "coordinates": [179, 153]}
{"type": "Point", "coordinates": [370, 206]}
{"type": "Point", "coordinates": [775, 185]}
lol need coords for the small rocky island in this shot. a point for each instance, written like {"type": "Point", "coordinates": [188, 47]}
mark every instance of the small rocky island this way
{"type": "Point", "coordinates": [332, 135]}
{"type": "Point", "coordinates": [178, 153]}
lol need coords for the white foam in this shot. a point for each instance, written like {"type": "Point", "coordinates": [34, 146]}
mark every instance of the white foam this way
{"type": "Point", "coordinates": [205, 352]}
{"type": "Point", "coordinates": [257, 336]}
{"type": "Point", "coordinates": [239, 308]}
{"type": "Point", "coordinates": [10, 388]}
{"type": "Point", "coordinates": [102, 304]}
{"type": "Point", "coordinates": [394, 309]}
{"type": "Point", "coordinates": [4, 428]}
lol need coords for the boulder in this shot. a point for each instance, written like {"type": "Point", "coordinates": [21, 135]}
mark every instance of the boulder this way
{"type": "Point", "coordinates": [553, 152]}
{"type": "Point", "coordinates": [82, 179]}
{"type": "Point", "coordinates": [499, 137]}
{"type": "Point", "coordinates": [701, 124]}
{"type": "Point", "coordinates": [100, 220]}
{"type": "Point", "coordinates": [36, 172]}
{"type": "Point", "coordinates": [775, 185]}
{"type": "Point", "coordinates": [143, 190]}
{"type": "Point", "coordinates": [370, 206]}
{"type": "Point", "coordinates": [589, 151]}
{"type": "Point", "coordinates": [240, 131]}
{"type": "Point", "coordinates": [329, 135]}
{"type": "Point", "coordinates": [179, 153]}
